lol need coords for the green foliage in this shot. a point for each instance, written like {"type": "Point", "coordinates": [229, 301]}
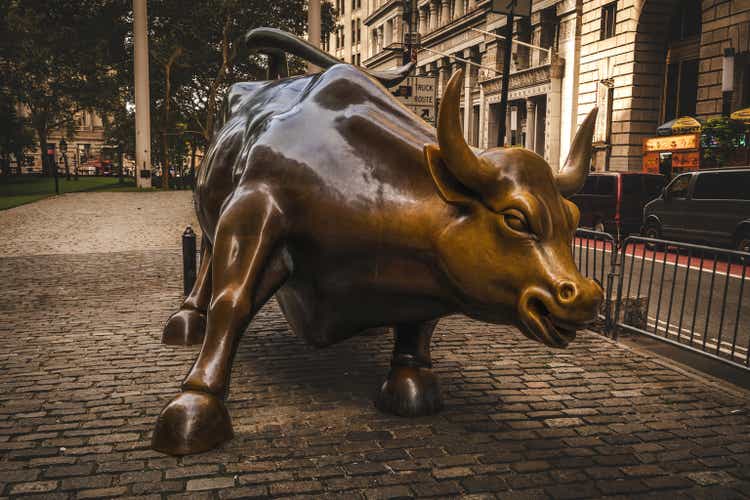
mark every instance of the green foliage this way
{"type": "Point", "coordinates": [58, 57]}
{"type": "Point", "coordinates": [16, 138]}
{"type": "Point", "coordinates": [719, 138]}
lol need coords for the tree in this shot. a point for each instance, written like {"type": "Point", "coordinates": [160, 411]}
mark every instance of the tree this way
{"type": "Point", "coordinates": [197, 52]}
{"type": "Point", "coordinates": [60, 57]}
{"type": "Point", "coordinates": [16, 138]}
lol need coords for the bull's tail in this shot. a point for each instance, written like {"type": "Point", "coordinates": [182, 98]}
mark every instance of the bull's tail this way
{"type": "Point", "coordinates": [276, 43]}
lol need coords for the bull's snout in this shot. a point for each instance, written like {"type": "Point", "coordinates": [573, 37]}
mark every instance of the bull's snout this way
{"type": "Point", "coordinates": [553, 315]}
{"type": "Point", "coordinates": [580, 300]}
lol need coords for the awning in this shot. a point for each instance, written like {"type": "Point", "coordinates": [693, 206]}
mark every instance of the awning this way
{"type": "Point", "coordinates": [742, 116]}
{"type": "Point", "coordinates": [683, 125]}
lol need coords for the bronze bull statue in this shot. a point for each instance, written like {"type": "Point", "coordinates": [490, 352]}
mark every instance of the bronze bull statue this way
{"type": "Point", "coordinates": [326, 192]}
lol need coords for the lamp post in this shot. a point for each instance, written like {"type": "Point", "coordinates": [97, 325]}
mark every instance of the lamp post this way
{"type": "Point", "coordinates": [51, 161]}
{"type": "Point", "coordinates": [727, 81]}
{"type": "Point", "coordinates": [64, 151]}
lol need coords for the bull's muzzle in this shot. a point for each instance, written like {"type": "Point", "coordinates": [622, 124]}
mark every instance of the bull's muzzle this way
{"type": "Point", "coordinates": [552, 316]}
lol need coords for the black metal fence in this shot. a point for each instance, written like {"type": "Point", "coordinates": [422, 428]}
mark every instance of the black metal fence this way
{"type": "Point", "coordinates": [689, 295]}
{"type": "Point", "coordinates": [595, 254]}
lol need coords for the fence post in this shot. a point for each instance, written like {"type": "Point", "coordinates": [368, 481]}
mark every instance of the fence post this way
{"type": "Point", "coordinates": [613, 272]}
{"type": "Point", "coordinates": [188, 260]}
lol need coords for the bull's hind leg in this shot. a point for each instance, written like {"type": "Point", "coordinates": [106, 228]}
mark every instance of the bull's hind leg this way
{"type": "Point", "coordinates": [246, 270]}
{"type": "Point", "coordinates": [411, 389]}
{"type": "Point", "coordinates": [188, 325]}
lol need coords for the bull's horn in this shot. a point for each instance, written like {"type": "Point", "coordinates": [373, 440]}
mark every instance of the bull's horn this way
{"type": "Point", "coordinates": [573, 175]}
{"type": "Point", "coordinates": [458, 156]}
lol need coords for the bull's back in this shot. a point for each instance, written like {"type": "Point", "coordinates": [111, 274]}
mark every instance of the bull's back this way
{"type": "Point", "coordinates": [326, 142]}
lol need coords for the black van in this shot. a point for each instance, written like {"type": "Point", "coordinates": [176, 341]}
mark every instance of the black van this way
{"type": "Point", "coordinates": [709, 206]}
{"type": "Point", "coordinates": [613, 201]}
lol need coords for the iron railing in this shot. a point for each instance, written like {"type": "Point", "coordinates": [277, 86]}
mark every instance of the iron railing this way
{"type": "Point", "coordinates": [689, 295]}
{"type": "Point", "coordinates": [595, 254]}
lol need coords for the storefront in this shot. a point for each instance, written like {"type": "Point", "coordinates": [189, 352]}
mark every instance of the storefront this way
{"type": "Point", "coordinates": [672, 155]}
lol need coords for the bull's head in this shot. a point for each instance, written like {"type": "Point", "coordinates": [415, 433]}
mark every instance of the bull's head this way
{"type": "Point", "coordinates": [508, 251]}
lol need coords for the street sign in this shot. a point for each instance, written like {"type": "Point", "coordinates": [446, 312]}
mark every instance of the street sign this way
{"type": "Point", "coordinates": [419, 93]}
{"type": "Point", "coordinates": [520, 8]}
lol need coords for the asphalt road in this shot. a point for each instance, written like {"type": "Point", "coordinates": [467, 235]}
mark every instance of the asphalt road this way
{"type": "Point", "coordinates": [701, 300]}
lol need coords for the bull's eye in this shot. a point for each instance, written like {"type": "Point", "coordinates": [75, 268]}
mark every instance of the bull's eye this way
{"type": "Point", "coordinates": [516, 221]}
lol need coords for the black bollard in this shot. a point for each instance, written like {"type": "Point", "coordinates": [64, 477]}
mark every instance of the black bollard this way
{"type": "Point", "coordinates": [188, 260]}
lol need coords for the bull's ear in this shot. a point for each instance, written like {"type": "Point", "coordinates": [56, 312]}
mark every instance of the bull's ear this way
{"type": "Point", "coordinates": [449, 188]}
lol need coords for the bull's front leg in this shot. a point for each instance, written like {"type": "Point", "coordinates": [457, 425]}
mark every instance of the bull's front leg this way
{"type": "Point", "coordinates": [246, 270]}
{"type": "Point", "coordinates": [411, 389]}
{"type": "Point", "coordinates": [188, 325]}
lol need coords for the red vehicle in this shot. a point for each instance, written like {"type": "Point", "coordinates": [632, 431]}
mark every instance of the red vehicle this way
{"type": "Point", "coordinates": [614, 201]}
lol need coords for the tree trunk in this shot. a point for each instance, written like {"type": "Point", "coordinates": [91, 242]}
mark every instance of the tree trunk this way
{"type": "Point", "coordinates": [193, 147]}
{"type": "Point", "coordinates": [167, 102]}
{"type": "Point", "coordinates": [42, 133]}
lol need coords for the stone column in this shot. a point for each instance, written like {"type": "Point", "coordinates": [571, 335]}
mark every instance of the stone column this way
{"type": "Point", "coordinates": [530, 125]}
{"type": "Point", "coordinates": [469, 79]}
{"type": "Point", "coordinates": [483, 140]}
{"type": "Point", "coordinates": [445, 12]}
{"type": "Point", "coordinates": [443, 68]}
{"type": "Point", "coordinates": [508, 131]}
{"type": "Point", "coordinates": [422, 20]}
{"type": "Point", "coordinates": [554, 115]}
{"type": "Point", "coordinates": [433, 15]}
{"type": "Point", "coordinates": [471, 5]}
{"type": "Point", "coordinates": [459, 10]}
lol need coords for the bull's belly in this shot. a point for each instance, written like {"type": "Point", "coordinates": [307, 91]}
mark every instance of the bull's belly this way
{"type": "Point", "coordinates": [327, 316]}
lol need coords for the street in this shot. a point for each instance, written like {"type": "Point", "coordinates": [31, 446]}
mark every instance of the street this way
{"type": "Point", "coordinates": [699, 299]}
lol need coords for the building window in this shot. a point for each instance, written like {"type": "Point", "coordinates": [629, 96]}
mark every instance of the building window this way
{"type": "Point", "coordinates": [685, 23]}
{"type": "Point", "coordinates": [609, 20]}
{"type": "Point", "coordinates": [359, 31]}
{"type": "Point", "coordinates": [681, 89]}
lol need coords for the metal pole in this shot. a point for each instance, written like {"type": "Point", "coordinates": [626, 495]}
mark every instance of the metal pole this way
{"type": "Point", "coordinates": [517, 42]}
{"type": "Point", "coordinates": [142, 97]}
{"type": "Point", "coordinates": [189, 265]}
{"type": "Point", "coordinates": [67, 168]}
{"type": "Point", "coordinates": [506, 76]}
{"type": "Point", "coordinates": [313, 28]}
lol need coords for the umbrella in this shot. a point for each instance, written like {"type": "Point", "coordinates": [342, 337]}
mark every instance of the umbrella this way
{"type": "Point", "coordinates": [742, 116]}
{"type": "Point", "coordinates": [683, 125]}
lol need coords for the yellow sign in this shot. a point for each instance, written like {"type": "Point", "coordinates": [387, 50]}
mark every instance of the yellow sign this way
{"type": "Point", "coordinates": [672, 143]}
{"type": "Point", "coordinates": [743, 115]}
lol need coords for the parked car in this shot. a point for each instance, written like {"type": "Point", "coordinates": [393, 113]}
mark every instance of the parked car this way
{"type": "Point", "coordinates": [614, 201]}
{"type": "Point", "coordinates": [709, 206]}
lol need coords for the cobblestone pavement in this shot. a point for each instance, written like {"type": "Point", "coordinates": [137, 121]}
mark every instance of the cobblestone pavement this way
{"type": "Point", "coordinates": [83, 376]}
{"type": "Point", "coordinates": [80, 223]}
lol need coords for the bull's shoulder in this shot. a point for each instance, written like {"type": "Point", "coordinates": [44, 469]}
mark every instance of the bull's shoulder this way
{"type": "Point", "coordinates": [344, 85]}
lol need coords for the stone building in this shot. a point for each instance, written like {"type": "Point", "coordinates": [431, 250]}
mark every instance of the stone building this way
{"type": "Point", "coordinates": [643, 62]}
{"type": "Point", "coordinates": [84, 146]}
{"type": "Point", "coordinates": [543, 88]}
{"type": "Point", "coordinates": [346, 42]}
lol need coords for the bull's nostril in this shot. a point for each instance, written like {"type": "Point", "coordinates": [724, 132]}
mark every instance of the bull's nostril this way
{"type": "Point", "coordinates": [567, 291]}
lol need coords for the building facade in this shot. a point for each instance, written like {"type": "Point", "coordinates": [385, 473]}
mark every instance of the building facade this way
{"type": "Point", "coordinates": [662, 59]}
{"type": "Point", "coordinates": [84, 146]}
{"type": "Point", "coordinates": [642, 62]}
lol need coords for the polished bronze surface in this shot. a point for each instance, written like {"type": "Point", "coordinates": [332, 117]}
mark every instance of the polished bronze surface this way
{"type": "Point", "coordinates": [324, 191]}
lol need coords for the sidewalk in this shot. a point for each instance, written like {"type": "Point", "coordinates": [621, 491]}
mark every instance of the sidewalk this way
{"type": "Point", "coordinates": [83, 376]}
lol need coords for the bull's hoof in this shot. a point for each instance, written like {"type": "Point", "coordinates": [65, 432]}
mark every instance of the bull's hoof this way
{"type": "Point", "coordinates": [410, 392]}
{"type": "Point", "coordinates": [185, 327]}
{"type": "Point", "coordinates": [193, 422]}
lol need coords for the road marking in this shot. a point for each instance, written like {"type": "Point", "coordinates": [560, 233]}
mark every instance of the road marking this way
{"type": "Point", "coordinates": [710, 343]}
{"type": "Point", "coordinates": [668, 263]}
